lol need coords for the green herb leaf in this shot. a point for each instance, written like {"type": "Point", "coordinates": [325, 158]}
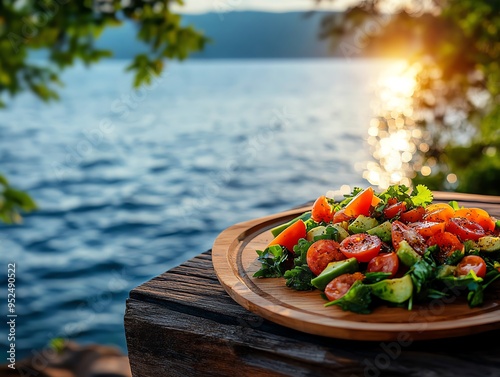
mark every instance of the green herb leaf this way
{"type": "Point", "coordinates": [300, 251]}
{"type": "Point", "coordinates": [357, 299]}
{"type": "Point", "coordinates": [475, 297]}
{"type": "Point", "coordinates": [423, 272]}
{"type": "Point", "coordinates": [421, 196]}
{"type": "Point", "coordinates": [454, 258]}
{"type": "Point", "coordinates": [310, 224]}
{"type": "Point", "coordinates": [373, 277]}
{"type": "Point", "coordinates": [454, 205]}
{"type": "Point", "coordinates": [273, 261]}
{"type": "Point", "coordinates": [299, 278]}
{"type": "Point", "coordinates": [461, 281]}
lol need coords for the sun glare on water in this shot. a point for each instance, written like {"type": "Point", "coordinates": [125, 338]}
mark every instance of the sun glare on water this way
{"type": "Point", "coordinates": [393, 135]}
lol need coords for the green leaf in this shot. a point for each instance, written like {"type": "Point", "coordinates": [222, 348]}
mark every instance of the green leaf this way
{"type": "Point", "coordinates": [57, 344]}
{"type": "Point", "coordinates": [299, 278]}
{"type": "Point", "coordinates": [475, 297]}
{"type": "Point", "coordinates": [373, 277]}
{"type": "Point", "coordinates": [13, 202]}
{"type": "Point", "coordinates": [357, 299]}
{"type": "Point", "coordinates": [273, 261]}
{"type": "Point", "coordinates": [454, 258]}
{"type": "Point", "coordinates": [423, 272]}
{"type": "Point", "coordinates": [461, 281]}
{"type": "Point", "coordinates": [421, 196]}
{"type": "Point", "coordinates": [300, 251]}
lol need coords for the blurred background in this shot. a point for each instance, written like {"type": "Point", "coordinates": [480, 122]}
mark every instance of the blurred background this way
{"type": "Point", "coordinates": [133, 132]}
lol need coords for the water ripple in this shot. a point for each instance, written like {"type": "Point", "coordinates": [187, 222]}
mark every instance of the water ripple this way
{"type": "Point", "coordinates": [211, 146]}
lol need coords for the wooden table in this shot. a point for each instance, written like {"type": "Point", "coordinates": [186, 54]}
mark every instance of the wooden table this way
{"type": "Point", "coordinates": [183, 323]}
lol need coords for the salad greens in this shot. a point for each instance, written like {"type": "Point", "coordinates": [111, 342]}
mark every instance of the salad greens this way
{"type": "Point", "coordinates": [443, 249]}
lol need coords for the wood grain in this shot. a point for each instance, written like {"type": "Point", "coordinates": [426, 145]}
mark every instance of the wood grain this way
{"type": "Point", "coordinates": [235, 262]}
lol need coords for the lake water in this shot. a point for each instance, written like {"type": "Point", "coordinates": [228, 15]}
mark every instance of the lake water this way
{"type": "Point", "coordinates": [130, 184]}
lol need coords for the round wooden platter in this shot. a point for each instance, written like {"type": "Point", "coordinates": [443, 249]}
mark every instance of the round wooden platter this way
{"type": "Point", "coordinates": [235, 261]}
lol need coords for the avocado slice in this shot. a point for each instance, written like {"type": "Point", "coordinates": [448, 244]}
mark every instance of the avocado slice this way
{"type": "Point", "coordinates": [334, 269]}
{"type": "Point", "coordinates": [382, 231]}
{"type": "Point", "coordinates": [343, 234]}
{"type": "Point", "coordinates": [489, 243]}
{"type": "Point", "coordinates": [406, 254]}
{"type": "Point", "coordinates": [362, 223]}
{"type": "Point", "coordinates": [316, 231]}
{"type": "Point", "coordinates": [394, 290]}
{"type": "Point", "coordinates": [445, 270]}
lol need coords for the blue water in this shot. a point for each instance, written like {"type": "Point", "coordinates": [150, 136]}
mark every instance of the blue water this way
{"type": "Point", "coordinates": [130, 184]}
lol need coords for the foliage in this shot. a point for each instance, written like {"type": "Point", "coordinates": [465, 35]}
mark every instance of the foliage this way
{"type": "Point", "coordinates": [13, 202]}
{"type": "Point", "coordinates": [457, 99]}
{"type": "Point", "coordinates": [67, 30]}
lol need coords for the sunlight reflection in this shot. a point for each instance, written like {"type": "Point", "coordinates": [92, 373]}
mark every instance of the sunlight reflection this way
{"type": "Point", "coordinates": [393, 135]}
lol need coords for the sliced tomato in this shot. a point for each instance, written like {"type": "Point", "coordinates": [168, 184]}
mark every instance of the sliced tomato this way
{"type": "Point", "coordinates": [400, 232]}
{"type": "Point", "coordinates": [391, 201]}
{"type": "Point", "coordinates": [412, 215]}
{"type": "Point", "coordinates": [447, 242]}
{"type": "Point", "coordinates": [464, 229]}
{"type": "Point", "coordinates": [322, 252]}
{"type": "Point", "coordinates": [361, 246]}
{"type": "Point", "coordinates": [322, 210]}
{"type": "Point", "coordinates": [479, 216]}
{"type": "Point", "coordinates": [341, 284]}
{"type": "Point", "coordinates": [340, 216]}
{"type": "Point", "coordinates": [428, 228]}
{"type": "Point", "coordinates": [360, 204]}
{"type": "Point", "coordinates": [291, 235]}
{"type": "Point", "coordinates": [394, 210]}
{"type": "Point", "coordinates": [438, 212]}
{"type": "Point", "coordinates": [387, 262]}
{"type": "Point", "coordinates": [471, 262]}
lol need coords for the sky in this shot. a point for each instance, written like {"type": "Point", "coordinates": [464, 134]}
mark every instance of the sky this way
{"type": "Point", "coordinates": [203, 6]}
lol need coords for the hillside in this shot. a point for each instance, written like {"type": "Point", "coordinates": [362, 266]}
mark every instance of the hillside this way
{"type": "Point", "coordinates": [239, 35]}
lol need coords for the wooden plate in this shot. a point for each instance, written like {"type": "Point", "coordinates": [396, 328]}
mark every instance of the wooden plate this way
{"type": "Point", "coordinates": [235, 261]}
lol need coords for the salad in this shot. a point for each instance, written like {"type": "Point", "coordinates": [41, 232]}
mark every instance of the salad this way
{"type": "Point", "coordinates": [393, 248]}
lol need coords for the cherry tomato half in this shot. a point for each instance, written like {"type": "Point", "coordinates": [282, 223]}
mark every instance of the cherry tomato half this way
{"type": "Point", "coordinates": [387, 262]}
{"type": "Point", "coordinates": [391, 201]}
{"type": "Point", "coordinates": [427, 228]}
{"type": "Point", "coordinates": [438, 212]}
{"type": "Point", "coordinates": [341, 284]}
{"type": "Point", "coordinates": [291, 235]}
{"type": "Point", "coordinates": [321, 210]}
{"type": "Point", "coordinates": [360, 204]}
{"type": "Point", "coordinates": [340, 216]}
{"type": "Point", "coordinates": [477, 215]}
{"type": "Point", "coordinates": [400, 232]}
{"type": "Point", "coordinates": [464, 228]}
{"type": "Point", "coordinates": [412, 215]}
{"type": "Point", "coordinates": [394, 210]}
{"type": "Point", "coordinates": [322, 252]}
{"type": "Point", "coordinates": [471, 262]}
{"type": "Point", "coordinates": [447, 243]}
{"type": "Point", "coordinates": [361, 246]}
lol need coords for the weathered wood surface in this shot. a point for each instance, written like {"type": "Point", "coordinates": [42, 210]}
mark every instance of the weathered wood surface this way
{"type": "Point", "coordinates": [183, 323]}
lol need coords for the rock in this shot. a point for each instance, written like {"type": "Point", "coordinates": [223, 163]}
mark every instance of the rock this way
{"type": "Point", "coordinates": [72, 360]}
